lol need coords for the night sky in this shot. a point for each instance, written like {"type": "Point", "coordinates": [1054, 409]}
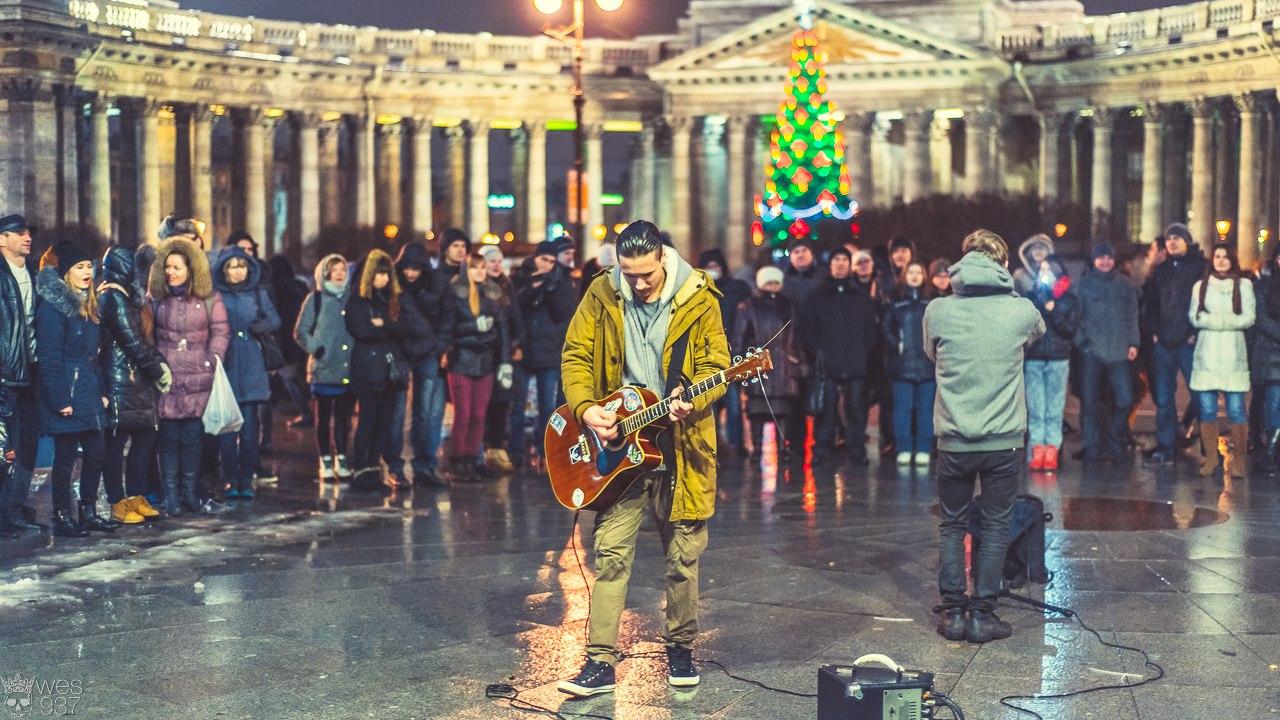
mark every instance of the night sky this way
{"type": "Point", "coordinates": [636, 17]}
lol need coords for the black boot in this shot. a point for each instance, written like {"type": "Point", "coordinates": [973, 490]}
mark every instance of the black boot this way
{"type": "Point", "coordinates": [91, 520]}
{"type": "Point", "coordinates": [984, 626]}
{"type": "Point", "coordinates": [65, 525]}
{"type": "Point", "coordinates": [951, 623]}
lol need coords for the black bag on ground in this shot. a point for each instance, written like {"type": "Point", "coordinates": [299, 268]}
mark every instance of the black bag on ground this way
{"type": "Point", "coordinates": [1024, 560]}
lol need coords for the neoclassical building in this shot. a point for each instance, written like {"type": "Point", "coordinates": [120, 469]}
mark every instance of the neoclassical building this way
{"type": "Point", "coordinates": [119, 111]}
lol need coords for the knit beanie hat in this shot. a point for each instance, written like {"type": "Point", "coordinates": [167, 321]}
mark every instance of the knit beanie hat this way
{"type": "Point", "coordinates": [68, 254]}
{"type": "Point", "coordinates": [768, 274]}
{"type": "Point", "coordinates": [1103, 248]}
{"type": "Point", "coordinates": [1179, 230]}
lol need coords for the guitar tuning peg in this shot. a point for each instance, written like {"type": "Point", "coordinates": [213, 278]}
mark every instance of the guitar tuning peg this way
{"type": "Point", "coordinates": [737, 359]}
{"type": "Point", "coordinates": [755, 380]}
{"type": "Point", "coordinates": [765, 376]}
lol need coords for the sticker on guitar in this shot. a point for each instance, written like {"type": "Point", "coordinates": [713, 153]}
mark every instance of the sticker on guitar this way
{"type": "Point", "coordinates": [557, 423]}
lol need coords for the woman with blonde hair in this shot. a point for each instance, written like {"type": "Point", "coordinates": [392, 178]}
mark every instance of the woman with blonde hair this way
{"type": "Point", "coordinates": [71, 393]}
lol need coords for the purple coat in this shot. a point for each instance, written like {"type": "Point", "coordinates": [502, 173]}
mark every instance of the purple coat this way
{"type": "Point", "coordinates": [190, 331]}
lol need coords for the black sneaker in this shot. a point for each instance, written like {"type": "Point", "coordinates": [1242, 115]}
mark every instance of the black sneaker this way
{"type": "Point", "coordinates": [951, 623]}
{"type": "Point", "coordinates": [595, 678]}
{"type": "Point", "coordinates": [984, 626]}
{"type": "Point", "coordinates": [681, 671]}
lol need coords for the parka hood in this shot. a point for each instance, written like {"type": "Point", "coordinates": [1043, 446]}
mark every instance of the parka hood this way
{"type": "Point", "coordinates": [1024, 250]}
{"type": "Point", "coordinates": [324, 262]}
{"type": "Point", "coordinates": [117, 266]}
{"type": "Point", "coordinates": [976, 274]}
{"type": "Point", "coordinates": [201, 279]}
{"type": "Point", "coordinates": [52, 289]}
{"type": "Point", "coordinates": [226, 255]}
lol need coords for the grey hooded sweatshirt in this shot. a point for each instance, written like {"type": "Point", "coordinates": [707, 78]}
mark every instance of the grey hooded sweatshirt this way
{"type": "Point", "coordinates": [978, 337]}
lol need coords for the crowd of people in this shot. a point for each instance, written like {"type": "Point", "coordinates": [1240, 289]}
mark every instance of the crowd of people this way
{"type": "Point", "coordinates": [115, 357]}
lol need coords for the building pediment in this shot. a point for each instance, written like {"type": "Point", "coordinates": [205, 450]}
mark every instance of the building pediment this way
{"type": "Point", "coordinates": [847, 35]}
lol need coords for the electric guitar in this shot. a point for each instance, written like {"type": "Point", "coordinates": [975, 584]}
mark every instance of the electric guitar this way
{"type": "Point", "coordinates": [588, 473]}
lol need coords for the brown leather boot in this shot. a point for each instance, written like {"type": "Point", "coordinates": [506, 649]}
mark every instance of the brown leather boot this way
{"type": "Point", "coordinates": [1209, 444]}
{"type": "Point", "coordinates": [1239, 451]}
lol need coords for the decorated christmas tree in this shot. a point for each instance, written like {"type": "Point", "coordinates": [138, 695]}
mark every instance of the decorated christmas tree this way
{"type": "Point", "coordinates": [806, 177]}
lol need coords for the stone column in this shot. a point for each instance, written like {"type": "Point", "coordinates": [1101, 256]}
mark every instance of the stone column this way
{"type": "Point", "coordinates": [1103, 129]}
{"type": "Point", "coordinates": [100, 169]}
{"type": "Point", "coordinates": [886, 184]}
{"type": "Point", "coordinates": [68, 105]}
{"type": "Point", "coordinates": [457, 136]}
{"type": "Point", "coordinates": [643, 205]}
{"type": "Point", "coordinates": [940, 155]}
{"type": "Point", "coordinates": [330, 176]}
{"type": "Point", "coordinates": [681, 135]}
{"type": "Point", "coordinates": [595, 187]}
{"type": "Point", "coordinates": [148, 129]}
{"type": "Point", "coordinates": [520, 180]}
{"type": "Point", "coordinates": [308, 179]}
{"type": "Point", "coordinates": [1050, 156]}
{"type": "Point", "coordinates": [202, 119]}
{"type": "Point", "coordinates": [362, 139]}
{"type": "Point", "coordinates": [738, 225]}
{"type": "Point", "coordinates": [255, 178]}
{"type": "Point", "coordinates": [536, 218]}
{"type": "Point", "coordinates": [1202, 220]}
{"type": "Point", "coordinates": [916, 157]}
{"type": "Point", "coordinates": [422, 220]}
{"type": "Point", "coordinates": [861, 167]}
{"type": "Point", "coordinates": [977, 151]}
{"type": "Point", "coordinates": [390, 206]}
{"type": "Point", "coordinates": [1152, 173]}
{"type": "Point", "coordinates": [478, 219]}
{"type": "Point", "coordinates": [1249, 214]}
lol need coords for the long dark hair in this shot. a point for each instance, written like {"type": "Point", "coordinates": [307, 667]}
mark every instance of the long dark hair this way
{"type": "Point", "coordinates": [1233, 273]}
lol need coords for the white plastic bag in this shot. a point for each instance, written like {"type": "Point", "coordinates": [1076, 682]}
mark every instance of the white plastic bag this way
{"type": "Point", "coordinates": [222, 413]}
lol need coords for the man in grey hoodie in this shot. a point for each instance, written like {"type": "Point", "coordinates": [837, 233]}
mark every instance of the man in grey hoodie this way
{"type": "Point", "coordinates": [977, 338]}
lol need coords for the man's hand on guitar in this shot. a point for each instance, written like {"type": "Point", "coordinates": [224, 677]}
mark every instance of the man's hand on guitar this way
{"type": "Point", "coordinates": [604, 423]}
{"type": "Point", "coordinates": [679, 408]}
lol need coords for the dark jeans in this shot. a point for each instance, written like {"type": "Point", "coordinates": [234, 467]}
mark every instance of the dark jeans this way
{"type": "Point", "coordinates": [999, 472]}
{"type": "Point", "coordinates": [911, 398]}
{"type": "Point", "coordinates": [239, 450]}
{"type": "Point", "coordinates": [548, 393]}
{"type": "Point", "coordinates": [428, 391]}
{"type": "Point", "coordinates": [375, 422]}
{"type": "Point", "coordinates": [24, 438]}
{"type": "Point", "coordinates": [846, 399]}
{"type": "Point", "coordinates": [497, 420]}
{"type": "Point", "coordinates": [128, 477]}
{"type": "Point", "coordinates": [179, 447]}
{"type": "Point", "coordinates": [65, 449]}
{"type": "Point", "coordinates": [1272, 406]}
{"type": "Point", "coordinates": [333, 424]}
{"type": "Point", "coordinates": [1111, 439]}
{"type": "Point", "coordinates": [731, 403]}
{"type": "Point", "coordinates": [1164, 390]}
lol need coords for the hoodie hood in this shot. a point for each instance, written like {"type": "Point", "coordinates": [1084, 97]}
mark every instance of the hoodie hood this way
{"type": "Point", "coordinates": [226, 255]}
{"type": "Point", "coordinates": [714, 255]}
{"type": "Point", "coordinates": [1024, 251]}
{"type": "Point", "coordinates": [324, 262]}
{"type": "Point", "coordinates": [678, 271]}
{"type": "Point", "coordinates": [53, 290]}
{"type": "Point", "coordinates": [413, 255]}
{"type": "Point", "coordinates": [976, 274]}
{"type": "Point", "coordinates": [201, 280]}
{"type": "Point", "coordinates": [117, 266]}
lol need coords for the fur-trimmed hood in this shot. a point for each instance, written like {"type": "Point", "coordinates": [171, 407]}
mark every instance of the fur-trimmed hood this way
{"type": "Point", "coordinates": [369, 267]}
{"type": "Point", "coordinates": [324, 262]}
{"type": "Point", "coordinates": [53, 290]}
{"type": "Point", "coordinates": [201, 279]}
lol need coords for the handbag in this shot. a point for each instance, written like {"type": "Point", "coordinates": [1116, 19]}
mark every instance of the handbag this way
{"type": "Point", "coordinates": [397, 371]}
{"type": "Point", "coordinates": [816, 401]}
{"type": "Point", "coordinates": [272, 355]}
{"type": "Point", "coordinates": [222, 413]}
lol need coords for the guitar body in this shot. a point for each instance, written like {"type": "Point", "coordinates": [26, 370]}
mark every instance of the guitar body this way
{"type": "Point", "coordinates": [586, 473]}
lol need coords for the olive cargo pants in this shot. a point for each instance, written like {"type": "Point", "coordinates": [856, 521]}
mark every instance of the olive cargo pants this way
{"type": "Point", "coordinates": [616, 530]}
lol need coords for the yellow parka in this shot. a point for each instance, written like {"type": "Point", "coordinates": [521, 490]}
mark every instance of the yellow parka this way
{"type": "Point", "coordinates": [592, 368]}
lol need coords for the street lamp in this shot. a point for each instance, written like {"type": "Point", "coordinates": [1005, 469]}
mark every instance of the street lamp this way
{"type": "Point", "coordinates": [1224, 229]}
{"type": "Point", "coordinates": [574, 36]}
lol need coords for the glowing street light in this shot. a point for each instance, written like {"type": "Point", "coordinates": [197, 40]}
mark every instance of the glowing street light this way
{"type": "Point", "coordinates": [1224, 229]}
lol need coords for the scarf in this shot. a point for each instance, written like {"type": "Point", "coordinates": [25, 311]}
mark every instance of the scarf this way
{"type": "Point", "coordinates": [1236, 303]}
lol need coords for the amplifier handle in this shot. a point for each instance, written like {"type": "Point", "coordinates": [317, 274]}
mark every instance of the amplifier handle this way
{"type": "Point", "coordinates": [879, 659]}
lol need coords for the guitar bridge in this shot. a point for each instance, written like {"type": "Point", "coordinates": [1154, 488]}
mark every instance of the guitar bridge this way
{"type": "Point", "coordinates": [580, 452]}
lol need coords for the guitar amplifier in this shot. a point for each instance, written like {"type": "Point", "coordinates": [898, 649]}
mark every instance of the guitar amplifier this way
{"type": "Point", "coordinates": [858, 692]}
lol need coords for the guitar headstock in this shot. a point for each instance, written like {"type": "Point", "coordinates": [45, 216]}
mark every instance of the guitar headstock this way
{"type": "Point", "coordinates": [757, 362]}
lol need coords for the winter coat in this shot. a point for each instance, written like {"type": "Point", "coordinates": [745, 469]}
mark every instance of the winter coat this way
{"type": "Point", "coordinates": [1109, 315]}
{"type": "Point", "coordinates": [288, 292]}
{"type": "Point", "coordinates": [546, 304]}
{"type": "Point", "coordinates": [1221, 357]}
{"type": "Point", "coordinates": [471, 352]}
{"type": "Point", "coordinates": [592, 368]}
{"type": "Point", "coordinates": [1063, 322]}
{"type": "Point", "coordinates": [839, 327]}
{"type": "Point", "coordinates": [735, 292]}
{"type": "Point", "coordinates": [17, 342]}
{"type": "Point", "coordinates": [133, 365]}
{"type": "Point", "coordinates": [250, 315]}
{"type": "Point", "coordinates": [1166, 298]}
{"type": "Point", "coordinates": [798, 285]}
{"type": "Point", "coordinates": [903, 332]}
{"type": "Point", "coordinates": [70, 374]}
{"type": "Point", "coordinates": [1028, 277]}
{"type": "Point", "coordinates": [978, 338]}
{"type": "Point", "coordinates": [425, 333]}
{"type": "Point", "coordinates": [378, 350]}
{"type": "Point", "coordinates": [756, 322]}
{"type": "Point", "coordinates": [324, 336]}
{"type": "Point", "coordinates": [1264, 337]}
{"type": "Point", "coordinates": [191, 330]}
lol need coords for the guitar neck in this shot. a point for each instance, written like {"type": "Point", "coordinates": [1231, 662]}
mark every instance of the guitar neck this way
{"type": "Point", "coordinates": [653, 413]}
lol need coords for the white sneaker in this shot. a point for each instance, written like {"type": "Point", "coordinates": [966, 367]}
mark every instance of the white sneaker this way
{"type": "Point", "coordinates": [922, 459]}
{"type": "Point", "coordinates": [340, 467]}
{"type": "Point", "coordinates": [904, 458]}
{"type": "Point", "coordinates": [326, 467]}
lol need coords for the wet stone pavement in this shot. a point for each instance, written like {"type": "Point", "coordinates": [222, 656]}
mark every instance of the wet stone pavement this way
{"type": "Point", "coordinates": [314, 602]}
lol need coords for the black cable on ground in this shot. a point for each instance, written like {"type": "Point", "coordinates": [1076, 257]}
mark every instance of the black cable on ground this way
{"type": "Point", "coordinates": [1147, 662]}
{"type": "Point", "coordinates": [946, 701]}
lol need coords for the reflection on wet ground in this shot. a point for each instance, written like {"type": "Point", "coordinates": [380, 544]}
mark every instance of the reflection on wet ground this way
{"type": "Point", "coordinates": [315, 602]}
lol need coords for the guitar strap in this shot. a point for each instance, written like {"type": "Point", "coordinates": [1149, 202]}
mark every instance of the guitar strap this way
{"type": "Point", "coordinates": [674, 378]}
